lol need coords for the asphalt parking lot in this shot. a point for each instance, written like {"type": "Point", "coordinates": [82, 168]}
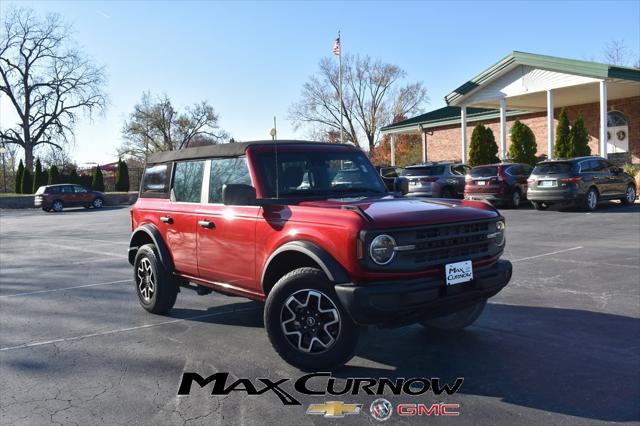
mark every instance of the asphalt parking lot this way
{"type": "Point", "coordinates": [561, 344]}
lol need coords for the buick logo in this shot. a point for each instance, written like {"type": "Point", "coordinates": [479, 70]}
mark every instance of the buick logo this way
{"type": "Point", "coordinates": [381, 409]}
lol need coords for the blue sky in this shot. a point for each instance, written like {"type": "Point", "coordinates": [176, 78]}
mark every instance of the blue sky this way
{"type": "Point", "coordinates": [250, 59]}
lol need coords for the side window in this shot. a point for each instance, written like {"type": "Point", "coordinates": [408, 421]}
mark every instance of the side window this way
{"type": "Point", "coordinates": [602, 166]}
{"type": "Point", "coordinates": [587, 166]}
{"type": "Point", "coordinates": [66, 189]}
{"type": "Point", "coordinates": [459, 170]}
{"type": "Point", "coordinates": [224, 171]}
{"type": "Point", "coordinates": [187, 181]}
{"type": "Point", "coordinates": [79, 189]}
{"type": "Point", "coordinates": [155, 182]}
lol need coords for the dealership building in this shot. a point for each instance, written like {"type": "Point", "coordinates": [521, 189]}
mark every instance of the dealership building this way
{"type": "Point", "coordinates": [534, 88]}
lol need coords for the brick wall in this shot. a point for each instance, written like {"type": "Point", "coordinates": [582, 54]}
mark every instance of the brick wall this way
{"type": "Point", "coordinates": [444, 144]}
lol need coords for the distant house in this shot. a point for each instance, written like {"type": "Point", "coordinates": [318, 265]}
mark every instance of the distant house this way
{"type": "Point", "coordinates": [534, 88]}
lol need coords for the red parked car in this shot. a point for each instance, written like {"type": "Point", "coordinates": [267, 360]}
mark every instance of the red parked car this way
{"type": "Point", "coordinates": [57, 197]}
{"type": "Point", "coordinates": [310, 229]}
{"type": "Point", "coordinates": [504, 184]}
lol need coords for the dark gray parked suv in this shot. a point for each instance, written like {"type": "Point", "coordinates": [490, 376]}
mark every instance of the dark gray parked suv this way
{"type": "Point", "coordinates": [582, 181]}
{"type": "Point", "coordinates": [440, 180]}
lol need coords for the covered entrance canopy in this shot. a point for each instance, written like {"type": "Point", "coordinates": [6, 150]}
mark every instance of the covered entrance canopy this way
{"type": "Point", "coordinates": [524, 82]}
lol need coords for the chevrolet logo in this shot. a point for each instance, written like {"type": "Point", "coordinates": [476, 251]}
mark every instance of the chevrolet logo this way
{"type": "Point", "coordinates": [334, 409]}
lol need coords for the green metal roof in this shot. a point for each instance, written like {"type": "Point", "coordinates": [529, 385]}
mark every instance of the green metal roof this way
{"type": "Point", "coordinates": [552, 63]}
{"type": "Point", "coordinates": [448, 115]}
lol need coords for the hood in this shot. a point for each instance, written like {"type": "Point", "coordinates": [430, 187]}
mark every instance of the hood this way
{"type": "Point", "coordinates": [389, 212]}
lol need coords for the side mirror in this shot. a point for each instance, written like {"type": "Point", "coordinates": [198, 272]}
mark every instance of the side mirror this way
{"type": "Point", "coordinates": [401, 185]}
{"type": "Point", "coordinates": [238, 194]}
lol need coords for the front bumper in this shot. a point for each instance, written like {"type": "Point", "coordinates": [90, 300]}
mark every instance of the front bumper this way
{"type": "Point", "coordinates": [391, 304]}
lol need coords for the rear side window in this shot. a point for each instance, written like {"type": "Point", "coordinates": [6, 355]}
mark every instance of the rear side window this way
{"type": "Point", "coordinates": [460, 169]}
{"type": "Point", "coordinates": [480, 172]}
{"type": "Point", "coordinates": [423, 171]}
{"type": "Point", "coordinates": [66, 189]}
{"type": "Point", "coordinates": [224, 171]}
{"type": "Point", "coordinates": [552, 168]}
{"type": "Point", "coordinates": [155, 181]}
{"type": "Point", "coordinates": [187, 181]}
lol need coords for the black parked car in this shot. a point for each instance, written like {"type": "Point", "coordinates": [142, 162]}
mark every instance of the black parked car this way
{"type": "Point", "coordinates": [582, 182]}
{"type": "Point", "coordinates": [504, 184]}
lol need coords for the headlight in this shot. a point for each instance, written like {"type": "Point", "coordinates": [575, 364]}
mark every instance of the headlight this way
{"type": "Point", "coordinates": [501, 229]}
{"type": "Point", "coordinates": [381, 249]}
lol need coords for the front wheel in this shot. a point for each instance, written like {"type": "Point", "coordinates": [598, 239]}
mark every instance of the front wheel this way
{"type": "Point", "coordinates": [306, 323]}
{"type": "Point", "coordinates": [97, 203]}
{"type": "Point", "coordinates": [456, 321]}
{"type": "Point", "coordinates": [156, 288]}
{"type": "Point", "coordinates": [630, 196]}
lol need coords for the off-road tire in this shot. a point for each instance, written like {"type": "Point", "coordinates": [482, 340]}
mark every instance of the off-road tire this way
{"type": "Point", "coordinates": [456, 321]}
{"type": "Point", "coordinates": [630, 197]}
{"type": "Point", "coordinates": [164, 289]}
{"type": "Point", "coordinates": [278, 316]}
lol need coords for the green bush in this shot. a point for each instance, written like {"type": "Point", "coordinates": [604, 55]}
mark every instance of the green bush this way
{"type": "Point", "coordinates": [483, 148]}
{"type": "Point", "coordinates": [37, 176]}
{"type": "Point", "coordinates": [631, 169]}
{"type": "Point", "coordinates": [523, 144]}
{"type": "Point", "coordinates": [97, 182]}
{"type": "Point", "coordinates": [579, 139]}
{"type": "Point", "coordinates": [54, 176]}
{"type": "Point", "coordinates": [27, 183]}
{"type": "Point", "coordinates": [561, 148]}
{"type": "Point", "coordinates": [122, 177]}
{"type": "Point", "coordinates": [19, 174]}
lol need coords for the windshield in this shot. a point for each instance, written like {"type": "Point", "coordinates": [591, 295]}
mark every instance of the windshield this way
{"type": "Point", "coordinates": [477, 172]}
{"type": "Point", "coordinates": [552, 168]}
{"type": "Point", "coordinates": [423, 171]}
{"type": "Point", "coordinates": [316, 173]}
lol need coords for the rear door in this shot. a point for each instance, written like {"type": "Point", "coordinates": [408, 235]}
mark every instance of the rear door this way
{"type": "Point", "coordinates": [226, 234]}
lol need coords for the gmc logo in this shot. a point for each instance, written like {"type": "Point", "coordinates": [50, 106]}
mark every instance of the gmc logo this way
{"type": "Point", "coordinates": [437, 409]}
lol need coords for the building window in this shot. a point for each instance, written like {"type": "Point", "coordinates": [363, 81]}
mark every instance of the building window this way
{"type": "Point", "coordinates": [616, 119]}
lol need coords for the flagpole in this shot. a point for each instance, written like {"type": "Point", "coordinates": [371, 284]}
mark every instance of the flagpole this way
{"type": "Point", "coordinates": [340, 83]}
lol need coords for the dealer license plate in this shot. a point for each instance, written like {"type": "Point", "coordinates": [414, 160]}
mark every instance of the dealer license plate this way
{"type": "Point", "coordinates": [459, 272]}
{"type": "Point", "coordinates": [548, 183]}
{"type": "Point", "coordinates": [481, 182]}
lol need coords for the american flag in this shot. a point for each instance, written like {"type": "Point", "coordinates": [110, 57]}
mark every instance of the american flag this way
{"type": "Point", "coordinates": [336, 47]}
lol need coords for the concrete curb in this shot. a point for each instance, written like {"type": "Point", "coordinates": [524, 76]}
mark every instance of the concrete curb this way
{"type": "Point", "coordinates": [27, 201]}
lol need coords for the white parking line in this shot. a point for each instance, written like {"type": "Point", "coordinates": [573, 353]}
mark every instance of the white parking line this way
{"type": "Point", "coordinates": [63, 289]}
{"type": "Point", "coordinates": [547, 254]}
{"type": "Point", "coordinates": [120, 330]}
{"type": "Point", "coordinates": [84, 250]}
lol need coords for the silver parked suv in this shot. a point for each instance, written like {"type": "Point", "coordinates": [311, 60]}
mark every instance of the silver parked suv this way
{"type": "Point", "coordinates": [439, 180]}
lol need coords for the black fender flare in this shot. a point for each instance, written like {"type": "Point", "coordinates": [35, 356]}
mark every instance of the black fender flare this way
{"type": "Point", "coordinates": [152, 232]}
{"type": "Point", "coordinates": [334, 271]}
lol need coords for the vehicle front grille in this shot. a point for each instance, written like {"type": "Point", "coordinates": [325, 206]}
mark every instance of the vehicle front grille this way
{"type": "Point", "coordinates": [426, 247]}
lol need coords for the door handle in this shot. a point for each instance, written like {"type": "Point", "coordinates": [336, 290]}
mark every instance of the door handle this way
{"type": "Point", "coordinates": [166, 219]}
{"type": "Point", "coordinates": [206, 224]}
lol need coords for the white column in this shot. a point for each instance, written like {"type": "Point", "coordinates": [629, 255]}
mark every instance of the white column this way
{"type": "Point", "coordinates": [603, 119]}
{"type": "Point", "coordinates": [424, 146]}
{"type": "Point", "coordinates": [503, 129]}
{"type": "Point", "coordinates": [393, 150]}
{"type": "Point", "coordinates": [550, 124]}
{"type": "Point", "coordinates": [463, 132]}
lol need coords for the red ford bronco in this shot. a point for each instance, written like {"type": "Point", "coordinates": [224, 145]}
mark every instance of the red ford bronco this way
{"type": "Point", "coordinates": [310, 229]}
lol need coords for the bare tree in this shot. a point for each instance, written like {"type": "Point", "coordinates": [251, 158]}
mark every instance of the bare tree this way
{"type": "Point", "coordinates": [48, 81]}
{"type": "Point", "coordinates": [155, 125]}
{"type": "Point", "coordinates": [372, 96]}
{"type": "Point", "coordinates": [616, 53]}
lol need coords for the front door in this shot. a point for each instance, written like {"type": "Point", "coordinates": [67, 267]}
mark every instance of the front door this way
{"type": "Point", "coordinates": [226, 234]}
{"type": "Point", "coordinates": [82, 196]}
{"type": "Point", "coordinates": [178, 221]}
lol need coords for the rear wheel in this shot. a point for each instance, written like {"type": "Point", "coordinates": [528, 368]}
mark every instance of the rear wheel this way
{"type": "Point", "coordinates": [456, 321]}
{"type": "Point", "coordinates": [57, 206]}
{"type": "Point", "coordinates": [515, 199]}
{"type": "Point", "coordinates": [591, 200]}
{"type": "Point", "coordinates": [539, 205]}
{"type": "Point", "coordinates": [630, 196]}
{"type": "Point", "coordinates": [156, 288]}
{"type": "Point", "coordinates": [306, 323]}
